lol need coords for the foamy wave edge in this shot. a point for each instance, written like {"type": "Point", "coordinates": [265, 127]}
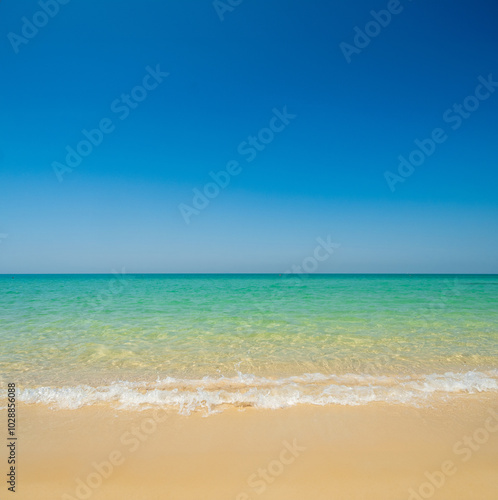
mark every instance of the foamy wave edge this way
{"type": "Point", "coordinates": [215, 394]}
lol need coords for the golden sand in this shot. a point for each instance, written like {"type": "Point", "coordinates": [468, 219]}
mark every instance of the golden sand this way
{"type": "Point", "coordinates": [365, 452]}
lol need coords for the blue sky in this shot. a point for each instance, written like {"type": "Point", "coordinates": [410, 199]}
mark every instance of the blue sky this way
{"type": "Point", "coordinates": [321, 172]}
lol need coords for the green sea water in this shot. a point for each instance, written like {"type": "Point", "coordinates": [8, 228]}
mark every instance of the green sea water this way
{"type": "Point", "coordinates": [250, 332]}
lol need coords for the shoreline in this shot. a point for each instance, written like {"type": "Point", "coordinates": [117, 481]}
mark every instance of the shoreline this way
{"type": "Point", "coordinates": [215, 394]}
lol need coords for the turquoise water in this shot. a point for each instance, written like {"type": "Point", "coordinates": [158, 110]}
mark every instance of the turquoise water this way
{"type": "Point", "coordinates": [316, 337]}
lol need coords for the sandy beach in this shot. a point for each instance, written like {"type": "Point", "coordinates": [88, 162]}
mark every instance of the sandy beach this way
{"type": "Point", "coordinates": [375, 451]}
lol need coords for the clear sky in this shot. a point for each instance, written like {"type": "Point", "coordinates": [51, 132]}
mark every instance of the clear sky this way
{"type": "Point", "coordinates": [306, 118]}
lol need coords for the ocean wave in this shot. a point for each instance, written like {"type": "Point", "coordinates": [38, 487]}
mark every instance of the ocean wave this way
{"type": "Point", "coordinates": [215, 394]}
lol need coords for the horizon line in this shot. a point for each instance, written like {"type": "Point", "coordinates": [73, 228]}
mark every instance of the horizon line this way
{"type": "Point", "coordinates": [246, 274]}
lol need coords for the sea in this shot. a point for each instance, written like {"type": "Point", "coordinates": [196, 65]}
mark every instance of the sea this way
{"type": "Point", "coordinates": [210, 342]}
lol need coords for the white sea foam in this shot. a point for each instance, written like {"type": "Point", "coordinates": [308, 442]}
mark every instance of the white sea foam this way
{"type": "Point", "coordinates": [215, 394]}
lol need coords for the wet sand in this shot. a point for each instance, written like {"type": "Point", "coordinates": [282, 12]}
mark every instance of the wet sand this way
{"type": "Point", "coordinates": [370, 452]}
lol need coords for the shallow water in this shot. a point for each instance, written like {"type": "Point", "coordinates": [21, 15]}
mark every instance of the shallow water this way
{"type": "Point", "coordinates": [248, 339]}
